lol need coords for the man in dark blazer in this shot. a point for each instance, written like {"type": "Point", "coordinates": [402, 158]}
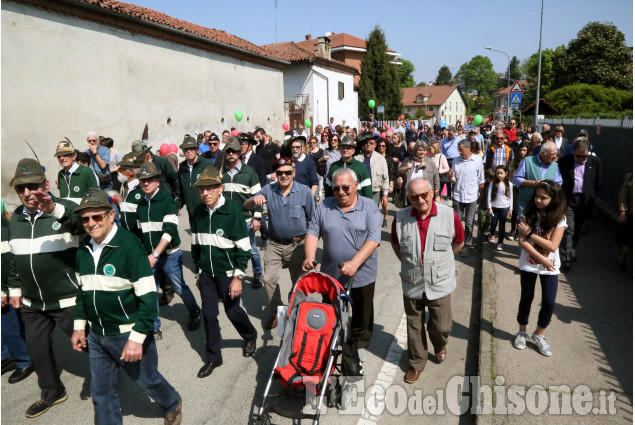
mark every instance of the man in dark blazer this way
{"type": "Point", "coordinates": [214, 154]}
{"type": "Point", "coordinates": [249, 157]}
{"type": "Point", "coordinates": [581, 179]}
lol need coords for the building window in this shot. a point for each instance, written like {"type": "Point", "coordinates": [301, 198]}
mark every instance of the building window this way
{"type": "Point", "coordinates": [408, 109]}
{"type": "Point", "coordinates": [450, 104]}
{"type": "Point", "coordinates": [457, 106]}
{"type": "Point", "coordinates": [340, 90]}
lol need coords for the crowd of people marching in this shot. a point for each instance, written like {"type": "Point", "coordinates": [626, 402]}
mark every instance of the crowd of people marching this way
{"type": "Point", "coordinates": [96, 251]}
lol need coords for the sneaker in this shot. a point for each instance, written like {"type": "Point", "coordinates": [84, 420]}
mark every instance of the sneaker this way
{"type": "Point", "coordinates": [543, 345]}
{"type": "Point", "coordinates": [520, 342]}
{"type": "Point", "coordinates": [515, 236]}
{"type": "Point", "coordinates": [499, 247]}
{"type": "Point", "coordinates": [492, 239]}
{"type": "Point", "coordinates": [40, 407]}
{"type": "Point", "coordinates": [257, 281]}
{"type": "Point", "coordinates": [511, 236]}
{"type": "Point", "coordinates": [361, 352]}
{"type": "Point", "coordinates": [158, 335]}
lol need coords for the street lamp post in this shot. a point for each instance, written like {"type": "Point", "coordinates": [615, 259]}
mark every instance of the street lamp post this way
{"type": "Point", "coordinates": [509, 71]}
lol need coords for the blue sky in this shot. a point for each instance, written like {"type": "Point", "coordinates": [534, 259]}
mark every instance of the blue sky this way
{"type": "Point", "coordinates": [429, 34]}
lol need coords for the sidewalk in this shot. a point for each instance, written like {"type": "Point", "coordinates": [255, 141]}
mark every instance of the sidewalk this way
{"type": "Point", "coordinates": [591, 335]}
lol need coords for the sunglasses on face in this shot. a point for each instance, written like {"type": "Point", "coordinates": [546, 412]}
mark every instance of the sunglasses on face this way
{"type": "Point", "coordinates": [214, 143]}
{"type": "Point", "coordinates": [285, 173]}
{"type": "Point", "coordinates": [296, 147]}
{"type": "Point", "coordinates": [344, 188]}
{"type": "Point", "coordinates": [31, 186]}
{"type": "Point", "coordinates": [97, 218]}
{"type": "Point", "coordinates": [230, 151]}
{"type": "Point", "coordinates": [413, 197]}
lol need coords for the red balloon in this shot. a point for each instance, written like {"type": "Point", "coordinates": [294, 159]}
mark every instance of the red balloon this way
{"type": "Point", "coordinates": [285, 126]}
{"type": "Point", "coordinates": [389, 129]}
{"type": "Point", "coordinates": [164, 149]}
{"type": "Point", "coordinates": [172, 148]}
{"type": "Point", "coordinates": [385, 124]}
{"type": "Point", "coordinates": [234, 133]}
{"type": "Point", "coordinates": [383, 134]}
{"type": "Point", "coordinates": [401, 117]}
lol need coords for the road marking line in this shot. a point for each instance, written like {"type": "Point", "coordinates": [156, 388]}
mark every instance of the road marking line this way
{"type": "Point", "coordinates": [390, 367]}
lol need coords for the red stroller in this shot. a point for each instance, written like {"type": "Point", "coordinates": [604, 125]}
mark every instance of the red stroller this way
{"type": "Point", "coordinates": [316, 327]}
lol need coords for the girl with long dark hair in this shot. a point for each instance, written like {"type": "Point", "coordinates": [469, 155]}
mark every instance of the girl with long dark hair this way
{"type": "Point", "coordinates": [499, 201]}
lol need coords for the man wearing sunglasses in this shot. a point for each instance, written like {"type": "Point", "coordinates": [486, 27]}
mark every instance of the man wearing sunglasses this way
{"type": "Point", "coordinates": [43, 242]}
{"type": "Point", "coordinates": [581, 179]}
{"type": "Point", "coordinates": [158, 216]}
{"type": "Point", "coordinates": [73, 180]}
{"type": "Point", "coordinates": [425, 237]}
{"type": "Point", "coordinates": [189, 171]}
{"type": "Point", "coordinates": [240, 181]}
{"type": "Point", "coordinates": [499, 153]}
{"type": "Point", "coordinates": [117, 296]}
{"type": "Point", "coordinates": [347, 150]}
{"type": "Point", "coordinates": [215, 153]}
{"type": "Point", "coordinates": [290, 208]}
{"type": "Point", "coordinates": [350, 227]}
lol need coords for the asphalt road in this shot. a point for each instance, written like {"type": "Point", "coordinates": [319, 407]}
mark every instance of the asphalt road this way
{"type": "Point", "coordinates": [234, 391]}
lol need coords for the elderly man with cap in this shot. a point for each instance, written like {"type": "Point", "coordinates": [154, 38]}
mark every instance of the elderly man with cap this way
{"type": "Point", "coordinates": [189, 172]}
{"type": "Point", "coordinates": [117, 297]}
{"type": "Point", "coordinates": [158, 216]}
{"type": "Point", "coordinates": [350, 227]}
{"type": "Point", "coordinates": [240, 181]}
{"type": "Point", "coordinates": [534, 169]}
{"type": "Point", "coordinates": [247, 156]}
{"type": "Point", "coordinates": [214, 154]}
{"type": "Point", "coordinates": [130, 194]}
{"type": "Point", "coordinates": [425, 237]}
{"type": "Point", "coordinates": [376, 166]}
{"type": "Point", "coordinates": [73, 180]}
{"type": "Point", "coordinates": [291, 207]}
{"type": "Point", "coordinates": [305, 170]}
{"type": "Point", "coordinates": [168, 173]}
{"type": "Point", "coordinates": [99, 160]}
{"type": "Point", "coordinates": [220, 250]}
{"type": "Point", "coordinates": [43, 242]}
{"type": "Point", "coordinates": [347, 150]}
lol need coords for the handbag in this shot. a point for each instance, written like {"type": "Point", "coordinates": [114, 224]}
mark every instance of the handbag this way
{"type": "Point", "coordinates": [104, 179]}
{"type": "Point", "coordinates": [443, 178]}
{"type": "Point", "coordinates": [399, 199]}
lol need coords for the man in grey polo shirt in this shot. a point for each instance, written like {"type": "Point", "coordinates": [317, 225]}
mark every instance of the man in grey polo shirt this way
{"type": "Point", "coordinates": [291, 206]}
{"type": "Point", "coordinates": [469, 178]}
{"type": "Point", "coordinates": [350, 226]}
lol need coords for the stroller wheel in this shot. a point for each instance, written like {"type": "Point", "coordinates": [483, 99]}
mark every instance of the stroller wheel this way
{"type": "Point", "coordinates": [333, 396]}
{"type": "Point", "coordinates": [264, 420]}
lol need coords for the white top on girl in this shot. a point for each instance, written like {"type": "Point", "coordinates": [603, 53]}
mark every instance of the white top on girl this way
{"type": "Point", "coordinates": [502, 200]}
{"type": "Point", "coordinates": [530, 264]}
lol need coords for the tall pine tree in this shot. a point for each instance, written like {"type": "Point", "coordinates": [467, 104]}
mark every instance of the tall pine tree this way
{"type": "Point", "coordinates": [379, 80]}
{"type": "Point", "coordinates": [444, 77]}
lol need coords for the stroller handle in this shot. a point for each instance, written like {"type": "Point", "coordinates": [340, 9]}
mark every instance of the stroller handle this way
{"type": "Point", "coordinates": [349, 285]}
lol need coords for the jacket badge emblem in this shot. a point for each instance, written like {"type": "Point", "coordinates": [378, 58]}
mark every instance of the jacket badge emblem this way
{"type": "Point", "coordinates": [220, 232]}
{"type": "Point", "coordinates": [76, 189]}
{"type": "Point", "coordinates": [137, 196]}
{"type": "Point", "coordinates": [109, 270]}
{"type": "Point", "coordinates": [56, 225]}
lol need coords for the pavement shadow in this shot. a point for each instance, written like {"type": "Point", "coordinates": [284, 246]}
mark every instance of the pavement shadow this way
{"type": "Point", "coordinates": [177, 312]}
{"type": "Point", "coordinates": [72, 361]}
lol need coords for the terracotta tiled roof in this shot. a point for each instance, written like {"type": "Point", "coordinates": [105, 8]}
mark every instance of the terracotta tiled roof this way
{"type": "Point", "coordinates": [168, 21]}
{"type": "Point", "coordinates": [289, 51]}
{"type": "Point", "coordinates": [506, 90]}
{"type": "Point", "coordinates": [338, 40]}
{"type": "Point", "coordinates": [437, 95]}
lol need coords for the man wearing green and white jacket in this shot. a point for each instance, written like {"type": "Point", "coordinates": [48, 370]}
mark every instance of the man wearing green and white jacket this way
{"type": "Point", "coordinates": [117, 297]}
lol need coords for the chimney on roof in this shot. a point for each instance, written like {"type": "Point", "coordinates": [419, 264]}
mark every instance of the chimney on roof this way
{"type": "Point", "coordinates": [324, 47]}
{"type": "Point", "coordinates": [328, 34]}
{"type": "Point", "coordinates": [307, 37]}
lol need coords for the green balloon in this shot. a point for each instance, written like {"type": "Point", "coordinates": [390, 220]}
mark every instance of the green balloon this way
{"type": "Point", "coordinates": [307, 123]}
{"type": "Point", "coordinates": [238, 115]}
{"type": "Point", "coordinates": [371, 104]}
{"type": "Point", "coordinates": [478, 120]}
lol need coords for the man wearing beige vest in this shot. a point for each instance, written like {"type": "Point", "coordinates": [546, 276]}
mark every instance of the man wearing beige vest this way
{"type": "Point", "coordinates": [425, 237]}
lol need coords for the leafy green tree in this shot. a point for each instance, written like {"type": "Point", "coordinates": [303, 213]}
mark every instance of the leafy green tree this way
{"type": "Point", "coordinates": [516, 73]}
{"type": "Point", "coordinates": [477, 74]}
{"type": "Point", "coordinates": [444, 77]}
{"type": "Point", "coordinates": [483, 105]}
{"type": "Point", "coordinates": [584, 100]}
{"type": "Point", "coordinates": [379, 80]}
{"type": "Point", "coordinates": [421, 84]}
{"type": "Point", "coordinates": [599, 55]}
{"type": "Point", "coordinates": [405, 71]}
{"type": "Point", "coordinates": [530, 69]}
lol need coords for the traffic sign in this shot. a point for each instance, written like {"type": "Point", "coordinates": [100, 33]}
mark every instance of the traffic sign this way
{"type": "Point", "coordinates": [516, 97]}
{"type": "Point", "coordinates": [504, 108]}
{"type": "Point", "coordinates": [516, 88]}
{"type": "Point", "coordinates": [380, 109]}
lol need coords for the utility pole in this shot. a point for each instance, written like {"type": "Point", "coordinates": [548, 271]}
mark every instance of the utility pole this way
{"type": "Point", "coordinates": [542, 10]}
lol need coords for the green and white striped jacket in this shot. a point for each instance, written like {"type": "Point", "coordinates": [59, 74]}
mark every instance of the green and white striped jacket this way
{"type": "Point", "coordinates": [241, 186]}
{"type": "Point", "coordinates": [74, 187]}
{"type": "Point", "coordinates": [128, 207]}
{"type": "Point", "coordinates": [117, 294]}
{"type": "Point", "coordinates": [43, 268]}
{"type": "Point", "coordinates": [220, 242]}
{"type": "Point", "coordinates": [159, 219]}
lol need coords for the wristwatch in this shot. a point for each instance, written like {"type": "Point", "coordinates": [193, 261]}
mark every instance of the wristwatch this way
{"type": "Point", "coordinates": [154, 254]}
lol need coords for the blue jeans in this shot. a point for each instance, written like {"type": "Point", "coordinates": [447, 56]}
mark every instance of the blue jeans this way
{"type": "Point", "coordinates": [13, 337]}
{"type": "Point", "coordinates": [255, 255]}
{"type": "Point", "coordinates": [105, 353]}
{"type": "Point", "coordinates": [171, 267]}
{"type": "Point", "coordinates": [499, 216]}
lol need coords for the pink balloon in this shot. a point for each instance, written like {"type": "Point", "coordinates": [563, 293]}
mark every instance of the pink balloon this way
{"type": "Point", "coordinates": [401, 117]}
{"type": "Point", "coordinates": [172, 148]}
{"type": "Point", "coordinates": [389, 129]}
{"type": "Point", "coordinates": [234, 133]}
{"type": "Point", "coordinates": [383, 134]}
{"type": "Point", "coordinates": [385, 124]}
{"type": "Point", "coordinates": [164, 149]}
{"type": "Point", "coordinates": [285, 126]}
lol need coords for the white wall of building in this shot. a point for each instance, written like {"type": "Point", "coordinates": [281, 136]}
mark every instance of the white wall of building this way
{"type": "Point", "coordinates": [454, 108]}
{"type": "Point", "coordinates": [344, 109]}
{"type": "Point", "coordinates": [63, 76]}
